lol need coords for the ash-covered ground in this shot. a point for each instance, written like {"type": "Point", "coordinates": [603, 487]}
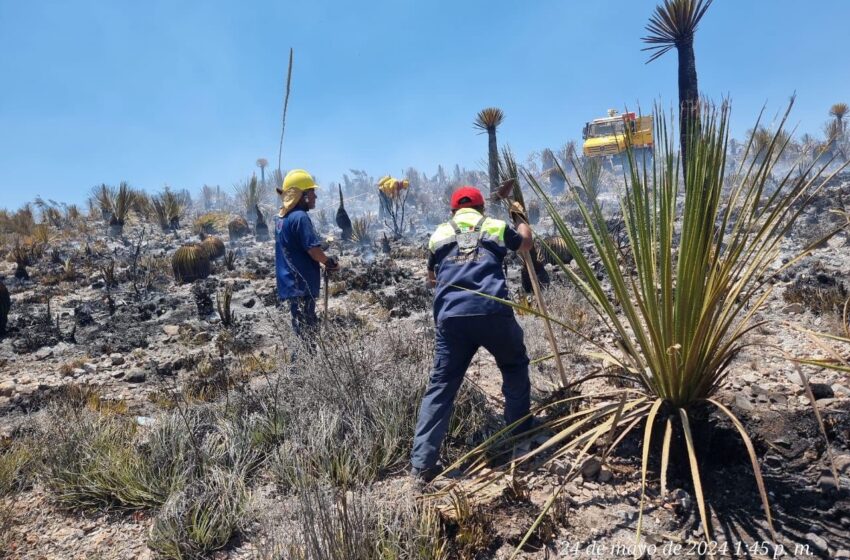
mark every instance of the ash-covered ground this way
{"type": "Point", "coordinates": [113, 334]}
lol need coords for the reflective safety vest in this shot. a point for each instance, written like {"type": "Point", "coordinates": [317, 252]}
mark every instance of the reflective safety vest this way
{"type": "Point", "coordinates": [467, 254]}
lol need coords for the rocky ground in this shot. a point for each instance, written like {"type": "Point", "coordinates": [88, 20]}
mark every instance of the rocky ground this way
{"type": "Point", "coordinates": [138, 336]}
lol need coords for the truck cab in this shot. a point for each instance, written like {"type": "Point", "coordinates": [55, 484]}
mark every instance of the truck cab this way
{"type": "Point", "coordinates": [607, 137]}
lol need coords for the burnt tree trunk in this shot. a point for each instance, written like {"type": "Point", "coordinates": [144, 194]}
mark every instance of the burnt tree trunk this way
{"type": "Point", "coordinates": [493, 156]}
{"type": "Point", "coordinates": [688, 97]}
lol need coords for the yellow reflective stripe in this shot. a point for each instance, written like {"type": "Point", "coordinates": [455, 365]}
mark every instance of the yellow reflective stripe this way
{"type": "Point", "coordinates": [442, 235]}
{"type": "Point", "coordinates": [492, 229]}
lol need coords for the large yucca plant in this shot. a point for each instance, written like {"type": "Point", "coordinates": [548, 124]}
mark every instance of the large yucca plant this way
{"type": "Point", "coordinates": [488, 120]}
{"type": "Point", "coordinates": [685, 307]}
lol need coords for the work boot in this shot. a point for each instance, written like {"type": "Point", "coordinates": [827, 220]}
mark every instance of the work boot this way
{"type": "Point", "coordinates": [422, 478]}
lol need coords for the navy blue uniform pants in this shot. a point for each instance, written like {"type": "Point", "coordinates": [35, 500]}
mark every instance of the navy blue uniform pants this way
{"type": "Point", "coordinates": [458, 338]}
{"type": "Point", "coordinates": [304, 318]}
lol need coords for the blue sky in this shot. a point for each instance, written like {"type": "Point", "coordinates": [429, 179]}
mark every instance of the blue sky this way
{"type": "Point", "coordinates": [189, 93]}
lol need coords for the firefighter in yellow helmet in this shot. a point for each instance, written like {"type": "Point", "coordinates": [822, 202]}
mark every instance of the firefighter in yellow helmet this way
{"type": "Point", "coordinates": [298, 252]}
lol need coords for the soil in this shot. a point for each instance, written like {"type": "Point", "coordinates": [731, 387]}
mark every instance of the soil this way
{"type": "Point", "coordinates": [130, 339]}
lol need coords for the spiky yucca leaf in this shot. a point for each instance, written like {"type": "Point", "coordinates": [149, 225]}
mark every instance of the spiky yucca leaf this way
{"type": "Point", "coordinates": [672, 23]}
{"type": "Point", "coordinates": [488, 119]}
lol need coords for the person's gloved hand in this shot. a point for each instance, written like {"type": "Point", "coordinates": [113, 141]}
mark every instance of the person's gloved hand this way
{"type": "Point", "coordinates": [517, 213]}
{"type": "Point", "coordinates": [331, 264]}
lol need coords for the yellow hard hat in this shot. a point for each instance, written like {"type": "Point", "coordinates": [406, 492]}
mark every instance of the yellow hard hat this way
{"type": "Point", "coordinates": [299, 179]}
{"type": "Point", "coordinates": [384, 179]}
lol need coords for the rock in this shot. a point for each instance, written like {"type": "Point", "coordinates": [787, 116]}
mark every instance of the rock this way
{"type": "Point", "coordinates": [116, 359]}
{"type": "Point", "coordinates": [605, 475]}
{"type": "Point", "coordinates": [794, 377]}
{"type": "Point", "coordinates": [250, 303]}
{"type": "Point", "coordinates": [826, 482]}
{"type": "Point", "coordinates": [135, 376]}
{"type": "Point", "coordinates": [842, 463]}
{"type": "Point", "coordinates": [844, 554]}
{"type": "Point", "coordinates": [90, 367]}
{"type": "Point", "coordinates": [7, 388]}
{"type": "Point", "coordinates": [171, 330]}
{"type": "Point", "coordinates": [743, 403]}
{"type": "Point", "coordinates": [202, 338]}
{"type": "Point", "coordinates": [76, 372]}
{"type": "Point", "coordinates": [43, 353]}
{"type": "Point", "coordinates": [795, 308]}
{"type": "Point", "coordinates": [819, 544]}
{"type": "Point", "coordinates": [822, 391]}
{"type": "Point", "coordinates": [841, 391]}
{"type": "Point", "coordinates": [845, 522]}
{"type": "Point", "coordinates": [590, 468]}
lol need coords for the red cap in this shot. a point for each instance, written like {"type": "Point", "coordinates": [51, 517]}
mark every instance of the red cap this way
{"type": "Point", "coordinates": [467, 197]}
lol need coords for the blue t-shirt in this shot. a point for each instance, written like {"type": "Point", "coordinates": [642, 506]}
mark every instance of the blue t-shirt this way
{"type": "Point", "coordinates": [297, 273]}
{"type": "Point", "coordinates": [479, 271]}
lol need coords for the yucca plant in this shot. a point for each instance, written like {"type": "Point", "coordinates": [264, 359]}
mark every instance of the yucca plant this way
{"type": "Point", "coordinates": [22, 255]}
{"type": "Point", "coordinates": [685, 308]}
{"type": "Point", "coordinates": [590, 177]}
{"type": "Point", "coordinates": [223, 300]}
{"type": "Point", "coordinates": [5, 306]}
{"type": "Point", "coordinates": [360, 229]}
{"type": "Point", "coordinates": [190, 263]}
{"type": "Point", "coordinates": [174, 205]}
{"type": "Point", "coordinates": [123, 200]}
{"type": "Point", "coordinates": [230, 260]}
{"type": "Point", "coordinates": [488, 120]}
{"type": "Point", "coordinates": [238, 227]}
{"type": "Point", "coordinates": [214, 247]}
{"type": "Point", "coordinates": [101, 197]}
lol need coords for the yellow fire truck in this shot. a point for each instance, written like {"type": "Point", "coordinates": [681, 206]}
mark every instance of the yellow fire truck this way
{"type": "Point", "coordinates": [606, 137]}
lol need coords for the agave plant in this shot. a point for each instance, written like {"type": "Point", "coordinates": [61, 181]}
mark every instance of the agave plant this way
{"type": "Point", "coordinates": [5, 305]}
{"type": "Point", "coordinates": [686, 306]}
{"type": "Point", "coordinates": [488, 120]}
{"type": "Point", "coordinates": [190, 263]}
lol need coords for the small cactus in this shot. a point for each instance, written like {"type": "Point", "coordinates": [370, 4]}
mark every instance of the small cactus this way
{"type": "Point", "coordinates": [5, 305]}
{"type": "Point", "coordinates": [214, 247]}
{"type": "Point", "coordinates": [238, 227]}
{"type": "Point", "coordinates": [190, 263]}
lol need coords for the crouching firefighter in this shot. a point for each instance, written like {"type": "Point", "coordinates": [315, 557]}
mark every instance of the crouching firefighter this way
{"type": "Point", "coordinates": [466, 253]}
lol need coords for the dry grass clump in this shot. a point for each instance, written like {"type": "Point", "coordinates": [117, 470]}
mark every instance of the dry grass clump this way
{"type": "Point", "coordinates": [334, 525]}
{"type": "Point", "coordinates": [16, 465]}
{"type": "Point", "coordinates": [821, 292]}
{"type": "Point", "coordinates": [93, 461]}
{"type": "Point", "coordinates": [352, 408]}
{"type": "Point", "coordinates": [201, 518]}
{"type": "Point", "coordinates": [210, 223]}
